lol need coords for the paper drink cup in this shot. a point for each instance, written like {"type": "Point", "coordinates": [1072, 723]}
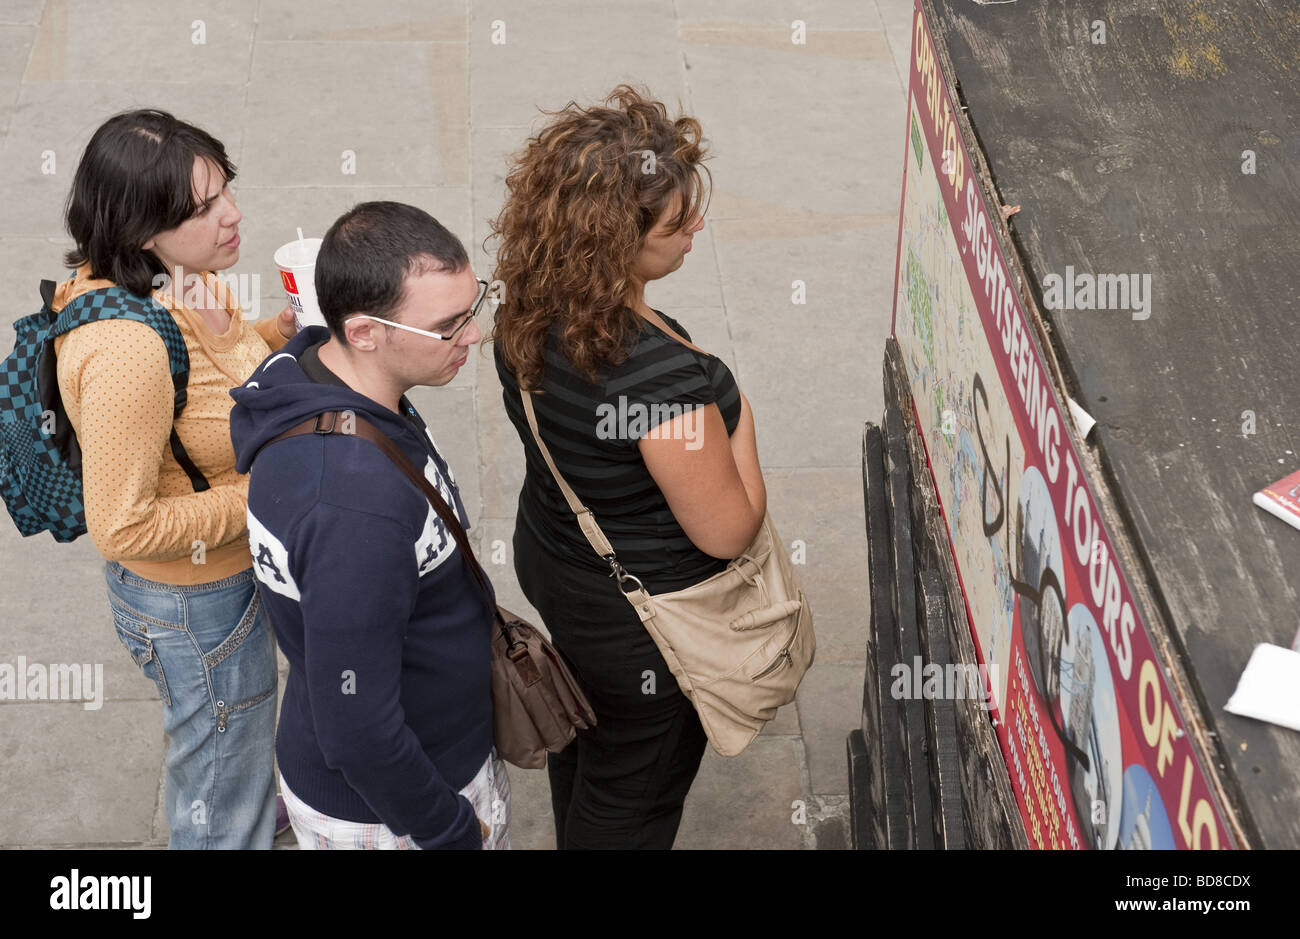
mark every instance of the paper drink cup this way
{"type": "Point", "coordinates": [297, 263]}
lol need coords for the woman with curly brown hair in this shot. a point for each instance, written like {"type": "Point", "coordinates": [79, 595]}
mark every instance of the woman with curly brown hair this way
{"type": "Point", "coordinates": [650, 431]}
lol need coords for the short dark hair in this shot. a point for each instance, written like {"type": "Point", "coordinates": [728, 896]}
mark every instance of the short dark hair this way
{"type": "Point", "coordinates": [368, 253]}
{"type": "Point", "coordinates": [135, 179]}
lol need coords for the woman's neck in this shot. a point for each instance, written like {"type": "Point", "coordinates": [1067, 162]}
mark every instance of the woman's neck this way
{"type": "Point", "coordinates": [636, 298]}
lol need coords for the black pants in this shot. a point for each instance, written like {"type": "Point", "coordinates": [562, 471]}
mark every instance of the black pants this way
{"type": "Point", "coordinates": [622, 783]}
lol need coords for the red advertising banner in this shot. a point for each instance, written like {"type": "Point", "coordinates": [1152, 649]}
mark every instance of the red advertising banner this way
{"type": "Point", "coordinates": [1092, 734]}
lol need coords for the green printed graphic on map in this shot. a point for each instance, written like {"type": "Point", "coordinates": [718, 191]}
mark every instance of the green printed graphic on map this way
{"type": "Point", "coordinates": [918, 296]}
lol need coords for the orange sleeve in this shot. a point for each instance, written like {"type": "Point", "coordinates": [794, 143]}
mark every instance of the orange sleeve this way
{"type": "Point", "coordinates": [118, 373]}
{"type": "Point", "coordinates": [269, 329]}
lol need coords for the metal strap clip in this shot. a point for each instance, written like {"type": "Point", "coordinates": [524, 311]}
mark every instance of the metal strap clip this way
{"type": "Point", "coordinates": [619, 572]}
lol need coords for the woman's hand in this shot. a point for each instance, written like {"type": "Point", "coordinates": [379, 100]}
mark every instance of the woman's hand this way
{"type": "Point", "coordinates": [286, 324]}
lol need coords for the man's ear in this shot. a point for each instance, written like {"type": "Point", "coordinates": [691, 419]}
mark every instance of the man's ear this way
{"type": "Point", "coordinates": [360, 333]}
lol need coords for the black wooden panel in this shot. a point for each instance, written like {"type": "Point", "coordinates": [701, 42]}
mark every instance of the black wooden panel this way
{"type": "Point", "coordinates": [908, 626]}
{"type": "Point", "coordinates": [941, 723]}
{"type": "Point", "coordinates": [882, 724]}
{"type": "Point", "coordinates": [862, 817]}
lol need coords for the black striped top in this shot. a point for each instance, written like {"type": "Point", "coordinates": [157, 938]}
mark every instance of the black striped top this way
{"type": "Point", "coordinates": [592, 433]}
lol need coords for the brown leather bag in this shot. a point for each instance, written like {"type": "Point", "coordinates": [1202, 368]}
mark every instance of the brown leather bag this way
{"type": "Point", "coordinates": [537, 706]}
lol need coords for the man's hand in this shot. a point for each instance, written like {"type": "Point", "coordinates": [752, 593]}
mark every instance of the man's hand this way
{"type": "Point", "coordinates": [285, 323]}
{"type": "Point", "coordinates": [486, 831]}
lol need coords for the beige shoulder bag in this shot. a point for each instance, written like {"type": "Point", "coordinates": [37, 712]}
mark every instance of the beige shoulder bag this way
{"type": "Point", "coordinates": [738, 643]}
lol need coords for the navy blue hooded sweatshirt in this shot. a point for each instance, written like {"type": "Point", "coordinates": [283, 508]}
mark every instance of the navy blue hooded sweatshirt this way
{"type": "Point", "coordinates": [387, 711]}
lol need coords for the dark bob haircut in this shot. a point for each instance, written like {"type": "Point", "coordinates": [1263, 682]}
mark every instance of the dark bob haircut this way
{"type": "Point", "coordinates": [135, 179]}
{"type": "Point", "coordinates": [368, 252]}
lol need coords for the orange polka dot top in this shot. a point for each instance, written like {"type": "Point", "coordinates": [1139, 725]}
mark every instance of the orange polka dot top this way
{"type": "Point", "coordinates": [114, 376]}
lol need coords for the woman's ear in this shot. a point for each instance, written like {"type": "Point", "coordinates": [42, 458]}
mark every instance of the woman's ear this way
{"type": "Point", "coordinates": [147, 246]}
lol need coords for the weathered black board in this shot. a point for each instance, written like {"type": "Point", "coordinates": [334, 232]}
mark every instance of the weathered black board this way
{"type": "Point", "coordinates": [1127, 157]}
{"type": "Point", "coordinates": [888, 821]}
{"type": "Point", "coordinates": [941, 718]}
{"type": "Point", "coordinates": [905, 764]}
{"type": "Point", "coordinates": [917, 762]}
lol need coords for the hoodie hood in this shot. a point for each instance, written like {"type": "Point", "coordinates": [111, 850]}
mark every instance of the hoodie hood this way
{"type": "Point", "coordinates": [280, 395]}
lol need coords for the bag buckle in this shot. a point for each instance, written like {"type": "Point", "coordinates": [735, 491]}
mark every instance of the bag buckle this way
{"type": "Point", "coordinates": [619, 572]}
{"type": "Point", "coordinates": [515, 648]}
{"type": "Point", "coordinates": [326, 431]}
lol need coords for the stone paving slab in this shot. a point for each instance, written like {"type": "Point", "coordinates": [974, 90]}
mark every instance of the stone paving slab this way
{"type": "Point", "coordinates": [78, 777]}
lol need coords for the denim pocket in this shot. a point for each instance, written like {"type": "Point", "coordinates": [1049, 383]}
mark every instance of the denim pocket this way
{"type": "Point", "coordinates": [141, 649]}
{"type": "Point", "coordinates": [242, 665]}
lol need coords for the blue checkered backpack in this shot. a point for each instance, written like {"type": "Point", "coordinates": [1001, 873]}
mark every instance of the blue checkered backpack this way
{"type": "Point", "coordinates": [40, 460]}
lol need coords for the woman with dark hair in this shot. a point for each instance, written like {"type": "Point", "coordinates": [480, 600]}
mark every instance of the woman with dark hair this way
{"type": "Point", "coordinates": [151, 211]}
{"type": "Point", "coordinates": [650, 431]}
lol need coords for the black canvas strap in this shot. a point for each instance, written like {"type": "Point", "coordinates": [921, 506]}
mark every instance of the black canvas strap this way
{"type": "Point", "coordinates": [197, 479]}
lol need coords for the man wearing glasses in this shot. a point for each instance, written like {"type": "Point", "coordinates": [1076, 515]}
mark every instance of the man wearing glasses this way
{"type": "Point", "coordinates": [385, 734]}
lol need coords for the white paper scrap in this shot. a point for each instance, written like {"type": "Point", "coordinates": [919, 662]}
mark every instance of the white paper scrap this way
{"type": "Point", "coordinates": [1082, 419]}
{"type": "Point", "coordinates": [1269, 688]}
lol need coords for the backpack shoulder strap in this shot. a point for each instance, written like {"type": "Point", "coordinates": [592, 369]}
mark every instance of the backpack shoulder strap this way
{"type": "Point", "coordinates": [119, 303]}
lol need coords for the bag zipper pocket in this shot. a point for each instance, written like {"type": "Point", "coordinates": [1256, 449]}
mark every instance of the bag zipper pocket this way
{"type": "Point", "coordinates": [782, 657]}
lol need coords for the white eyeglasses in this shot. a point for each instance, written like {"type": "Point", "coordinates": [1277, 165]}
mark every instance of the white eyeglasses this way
{"type": "Point", "coordinates": [473, 312]}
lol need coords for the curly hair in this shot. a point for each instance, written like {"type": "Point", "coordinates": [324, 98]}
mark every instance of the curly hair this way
{"type": "Point", "coordinates": [580, 199]}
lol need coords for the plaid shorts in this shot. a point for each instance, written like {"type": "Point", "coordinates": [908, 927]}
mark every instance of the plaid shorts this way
{"type": "Point", "coordinates": [488, 792]}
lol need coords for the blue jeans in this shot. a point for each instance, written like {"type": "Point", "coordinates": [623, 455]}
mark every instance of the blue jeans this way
{"type": "Point", "coordinates": [210, 650]}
